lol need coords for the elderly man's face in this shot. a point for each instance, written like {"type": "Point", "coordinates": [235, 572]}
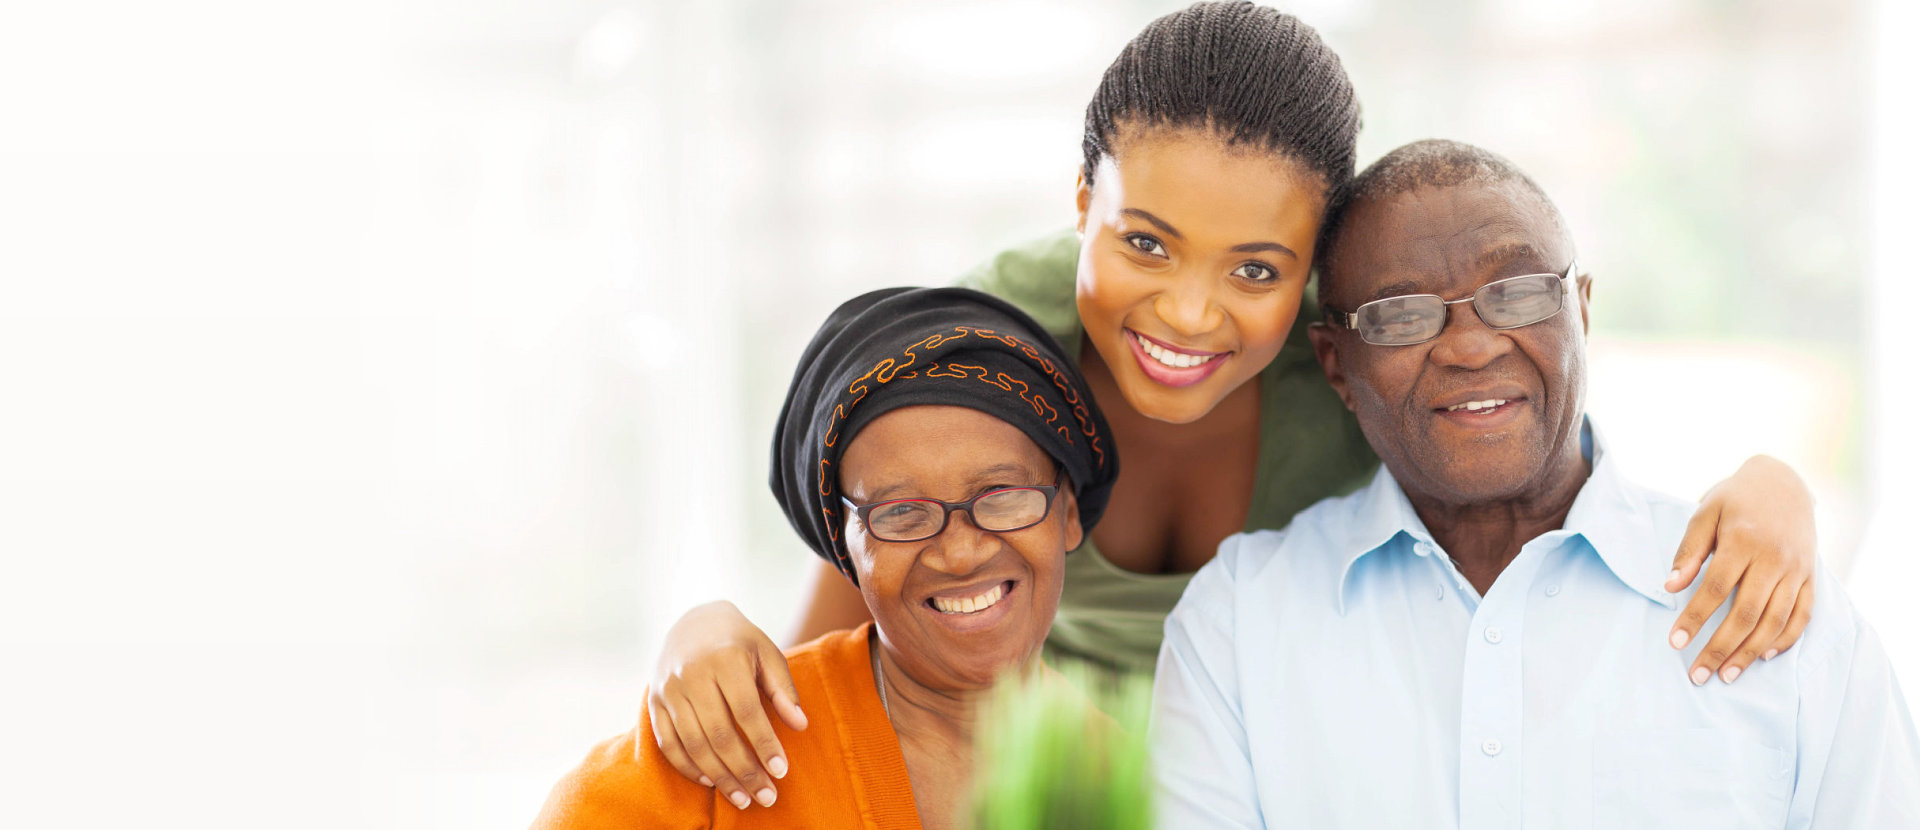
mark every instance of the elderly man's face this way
{"type": "Point", "coordinates": [1450, 241]}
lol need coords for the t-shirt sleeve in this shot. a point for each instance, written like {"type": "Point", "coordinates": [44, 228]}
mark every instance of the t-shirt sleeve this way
{"type": "Point", "coordinates": [1038, 277]}
{"type": "Point", "coordinates": [612, 790]}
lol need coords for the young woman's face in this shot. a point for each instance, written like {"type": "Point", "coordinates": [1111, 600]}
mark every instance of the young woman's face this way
{"type": "Point", "coordinates": [1193, 258]}
{"type": "Point", "coordinates": [960, 608]}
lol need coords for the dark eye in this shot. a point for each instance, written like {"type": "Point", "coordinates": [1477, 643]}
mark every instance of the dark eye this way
{"type": "Point", "coordinates": [897, 512]}
{"type": "Point", "coordinates": [1257, 272]}
{"type": "Point", "coordinates": [1145, 244]}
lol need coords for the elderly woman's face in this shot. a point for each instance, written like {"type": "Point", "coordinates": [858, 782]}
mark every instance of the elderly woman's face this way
{"type": "Point", "coordinates": [960, 608]}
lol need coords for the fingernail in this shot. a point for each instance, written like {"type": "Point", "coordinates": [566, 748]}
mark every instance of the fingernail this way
{"type": "Point", "coordinates": [1771, 653]}
{"type": "Point", "coordinates": [739, 800]}
{"type": "Point", "coordinates": [777, 766]}
{"type": "Point", "coordinates": [1700, 675]}
{"type": "Point", "coordinates": [765, 797]}
{"type": "Point", "coordinates": [1729, 673]}
{"type": "Point", "coordinates": [803, 715]}
{"type": "Point", "coordinates": [1678, 638]}
{"type": "Point", "coordinates": [705, 781]}
{"type": "Point", "coordinates": [1673, 577]}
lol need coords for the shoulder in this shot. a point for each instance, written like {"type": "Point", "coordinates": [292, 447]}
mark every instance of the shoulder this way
{"type": "Point", "coordinates": [1308, 545]}
{"type": "Point", "coordinates": [1038, 277]}
{"type": "Point", "coordinates": [1833, 634]}
{"type": "Point", "coordinates": [611, 789]}
{"type": "Point", "coordinates": [828, 654]}
{"type": "Point", "coordinates": [1669, 513]}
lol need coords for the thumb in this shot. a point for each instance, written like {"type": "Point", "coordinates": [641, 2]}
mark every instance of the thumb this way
{"type": "Point", "coordinates": [777, 682]}
{"type": "Point", "coordinates": [1694, 546]}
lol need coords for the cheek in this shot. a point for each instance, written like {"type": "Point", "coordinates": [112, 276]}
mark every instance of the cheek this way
{"type": "Point", "coordinates": [880, 575]}
{"type": "Point", "coordinates": [1108, 285]}
{"type": "Point", "coordinates": [1369, 375]}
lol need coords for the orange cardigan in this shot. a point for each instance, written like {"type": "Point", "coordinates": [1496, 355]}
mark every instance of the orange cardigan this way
{"type": "Point", "coordinates": [847, 771]}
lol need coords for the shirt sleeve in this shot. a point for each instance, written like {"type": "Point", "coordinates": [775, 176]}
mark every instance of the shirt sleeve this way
{"type": "Point", "coordinates": [1203, 773]}
{"type": "Point", "coordinates": [612, 791]}
{"type": "Point", "coordinates": [1039, 278]}
{"type": "Point", "coordinates": [1859, 760]}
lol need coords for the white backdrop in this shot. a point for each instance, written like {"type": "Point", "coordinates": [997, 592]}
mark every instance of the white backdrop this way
{"type": "Point", "coordinates": [381, 378]}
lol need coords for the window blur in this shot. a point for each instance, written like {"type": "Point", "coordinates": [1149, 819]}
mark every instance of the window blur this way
{"type": "Point", "coordinates": [383, 378]}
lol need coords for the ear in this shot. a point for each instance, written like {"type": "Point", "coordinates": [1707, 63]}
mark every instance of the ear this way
{"type": "Point", "coordinates": [1071, 507]}
{"type": "Point", "coordinates": [1585, 281]}
{"type": "Point", "coordinates": [1082, 198]}
{"type": "Point", "coordinates": [1328, 353]}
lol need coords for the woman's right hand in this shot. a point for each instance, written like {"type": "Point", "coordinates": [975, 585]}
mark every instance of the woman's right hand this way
{"type": "Point", "coordinates": [704, 703]}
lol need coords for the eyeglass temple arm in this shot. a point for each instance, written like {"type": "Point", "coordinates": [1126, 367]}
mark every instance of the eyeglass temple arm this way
{"type": "Point", "coordinates": [1342, 319]}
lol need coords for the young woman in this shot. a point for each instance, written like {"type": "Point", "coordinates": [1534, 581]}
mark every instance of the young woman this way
{"type": "Point", "coordinates": [941, 457]}
{"type": "Point", "coordinates": [1210, 148]}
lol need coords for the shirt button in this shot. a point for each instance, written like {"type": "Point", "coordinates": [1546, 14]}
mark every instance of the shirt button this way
{"type": "Point", "coordinates": [1490, 746]}
{"type": "Point", "coordinates": [1553, 590]}
{"type": "Point", "coordinates": [1423, 549]}
{"type": "Point", "coordinates": [1493, 636]}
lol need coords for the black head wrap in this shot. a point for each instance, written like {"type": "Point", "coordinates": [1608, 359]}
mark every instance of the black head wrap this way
{"type": "Point", "coordinates": [929, 346]}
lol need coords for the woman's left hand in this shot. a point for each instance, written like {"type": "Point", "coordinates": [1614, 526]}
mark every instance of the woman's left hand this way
{"type": "Point", "coordinates": [1758, 525]}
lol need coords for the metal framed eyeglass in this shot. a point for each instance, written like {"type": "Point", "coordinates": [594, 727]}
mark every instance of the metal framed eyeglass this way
{"type": "Point", "coordinates": [1001, 511]}
{"type": "Point", "coordinates": [1416, 318]}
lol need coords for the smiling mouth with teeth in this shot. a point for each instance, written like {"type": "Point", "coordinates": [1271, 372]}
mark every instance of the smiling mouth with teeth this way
{"type": "Point", "coordinates": [1476, 406]}
{"type": "Point", "coordinates": [1170, 358]}
{"type": "Point", "coordinates": [973, 604]}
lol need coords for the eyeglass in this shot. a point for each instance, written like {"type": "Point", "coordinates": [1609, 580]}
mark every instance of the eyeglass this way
{"type": "Point", "coordinates": [1000, 511]}
{"type": "Point", "coordinates": [1416, 318]}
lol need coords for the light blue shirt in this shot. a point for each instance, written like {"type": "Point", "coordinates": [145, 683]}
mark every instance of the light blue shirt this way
{"type": "Point", "coordinates": [1342, 673]}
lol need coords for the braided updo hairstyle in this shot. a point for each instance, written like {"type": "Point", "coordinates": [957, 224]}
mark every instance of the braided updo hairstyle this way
{"type": "Point", "coordinates": [1251, 74]}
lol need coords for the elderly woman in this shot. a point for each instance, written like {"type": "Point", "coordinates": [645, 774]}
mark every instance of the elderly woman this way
{"type": "Point", "coordinates": [939, 451]}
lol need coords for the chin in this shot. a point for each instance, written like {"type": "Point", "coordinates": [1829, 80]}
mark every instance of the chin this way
{"type": "Point", "coordinates": [1171, 406]}
{"type": "Point", "coordinates": [1477, 478]}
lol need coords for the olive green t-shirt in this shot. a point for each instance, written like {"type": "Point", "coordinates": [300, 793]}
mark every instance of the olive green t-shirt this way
{"type": "Point", "coordinates": [1310, 448]}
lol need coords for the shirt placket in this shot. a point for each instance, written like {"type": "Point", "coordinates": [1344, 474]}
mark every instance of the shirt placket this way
{"type": "Point", "coordinates": [1491, 714]}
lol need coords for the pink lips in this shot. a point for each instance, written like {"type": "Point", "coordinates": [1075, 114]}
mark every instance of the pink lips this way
{"type": "Point", "coordinates": [1169, 375]}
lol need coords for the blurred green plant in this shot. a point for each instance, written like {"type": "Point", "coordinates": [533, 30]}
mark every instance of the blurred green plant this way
{"type": "Point", "coordinates": [1069, 755]}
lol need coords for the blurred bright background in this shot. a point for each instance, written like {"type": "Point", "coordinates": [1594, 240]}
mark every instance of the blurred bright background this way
{"type": "Point", "coordinates": [380, 379]}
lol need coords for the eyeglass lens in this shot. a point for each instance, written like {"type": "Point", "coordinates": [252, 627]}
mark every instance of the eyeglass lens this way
{"type": "Point", "coordinates": [911, 520]}
{"type": "Point", "coordinates": [1504, 304]}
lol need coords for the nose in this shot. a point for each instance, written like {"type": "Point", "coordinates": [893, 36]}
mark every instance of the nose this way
{"type": "Point", "coordinates": [1466, 342]}
{"type": "Point", "coordinates": [1187, 305]}
{"type": "Point", "coordinates": [962, 547]}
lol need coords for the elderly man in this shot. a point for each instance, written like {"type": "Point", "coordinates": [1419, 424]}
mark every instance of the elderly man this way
{"type": "Point", "coordinates": [1476, 638]}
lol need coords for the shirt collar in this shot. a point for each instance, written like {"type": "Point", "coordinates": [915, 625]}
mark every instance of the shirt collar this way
{"type": "Point", "coordinates": [1613, 518]}
{"type": "Point", "coordinates": [1618, 524]}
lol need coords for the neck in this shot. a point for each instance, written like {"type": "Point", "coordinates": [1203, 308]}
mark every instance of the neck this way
{"type": "Point", "coordinates": [1484, 537]}
{"type": "Point", "coordinates": [923, 714]}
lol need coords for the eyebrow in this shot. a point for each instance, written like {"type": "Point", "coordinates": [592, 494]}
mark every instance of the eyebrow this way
{"type": "Point", "coordinates": [1242, 248]}
{"type": "Point", "coordinates": [1507, 254]}
{"type": "Point", "coordinates": [995, 474]}
{"type": "Point", "coordinates": [1397, 289]}
{"type": "Point", "coordinates": [1256, 247]}
{"type": "Point", "coordinates": [1154, 221]}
